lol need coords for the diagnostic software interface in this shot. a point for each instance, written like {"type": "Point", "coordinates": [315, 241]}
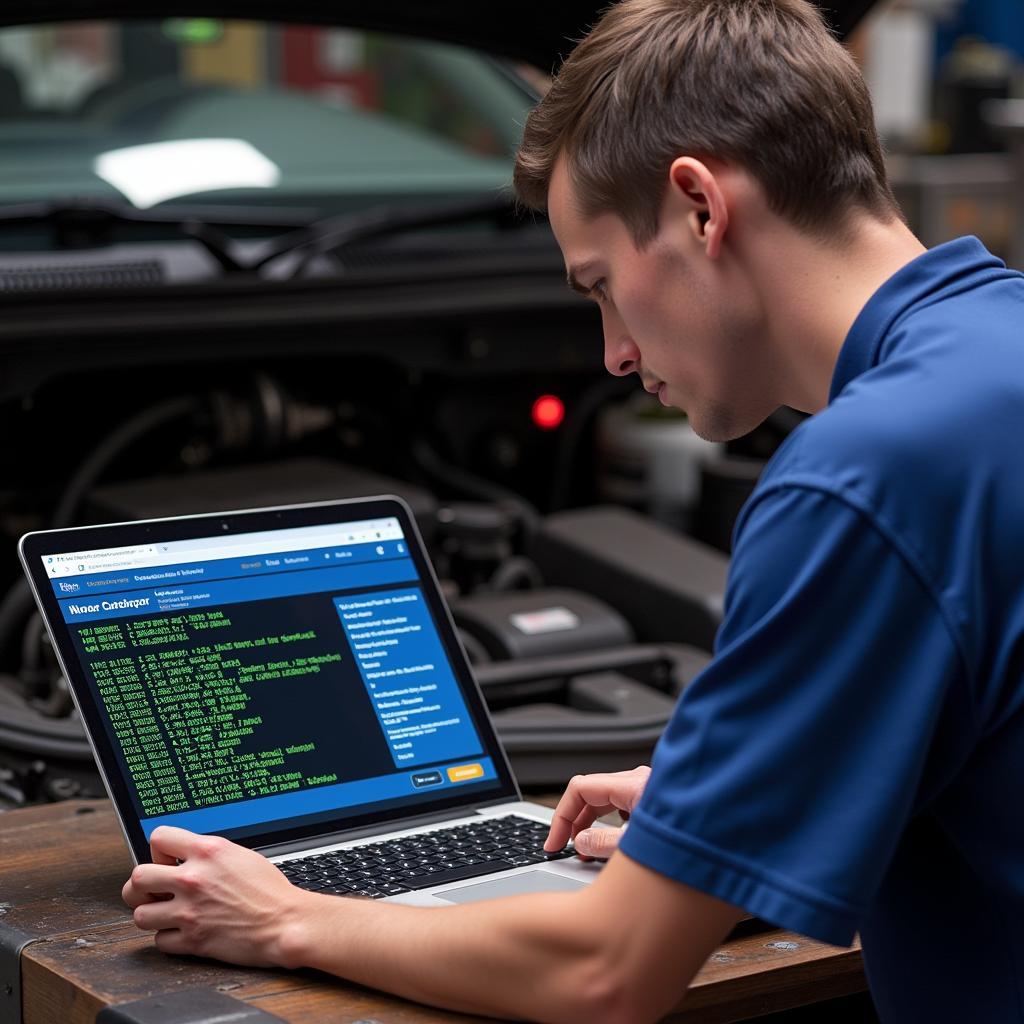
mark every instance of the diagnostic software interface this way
{"type": "Point", "coordinates": [270, 679]}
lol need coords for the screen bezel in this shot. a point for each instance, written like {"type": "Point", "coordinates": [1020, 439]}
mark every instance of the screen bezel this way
{"type": "Point", "coordinates": [34, 546]}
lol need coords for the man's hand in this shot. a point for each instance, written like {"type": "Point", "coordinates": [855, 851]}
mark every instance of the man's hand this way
{"type": "Point", "coordinates": [587, 798]}
{"type": "Point", "coordinates": [221, 900]}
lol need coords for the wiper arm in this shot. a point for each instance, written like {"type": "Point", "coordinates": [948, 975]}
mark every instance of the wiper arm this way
{"type": "Point", "coordinates": [334, 233]}
{"type": "Point", "coordinates": [83, 223]}
{"type": "Point", "coordinates": [113, 211]}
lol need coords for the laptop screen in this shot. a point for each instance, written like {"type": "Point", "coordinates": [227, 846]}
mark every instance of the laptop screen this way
{"type": "Point", "coordinates": [266, 681]}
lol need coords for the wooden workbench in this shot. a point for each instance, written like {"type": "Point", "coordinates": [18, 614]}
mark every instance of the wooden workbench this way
{"type": "Point", "coordinates": [61, 871]}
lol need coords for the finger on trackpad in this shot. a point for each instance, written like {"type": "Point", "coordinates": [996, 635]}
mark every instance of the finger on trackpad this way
{"type": "Point", "coordinates": [512, 885]}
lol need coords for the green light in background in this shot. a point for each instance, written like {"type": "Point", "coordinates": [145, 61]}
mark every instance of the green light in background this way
{"type": "Point", "coordinates": [193, 30]}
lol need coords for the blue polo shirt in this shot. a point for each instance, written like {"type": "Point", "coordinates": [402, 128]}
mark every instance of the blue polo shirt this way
{"type": "Point", "coordinates": [853, 758]}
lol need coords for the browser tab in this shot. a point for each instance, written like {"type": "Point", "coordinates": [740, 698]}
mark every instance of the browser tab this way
{"type": "Point", "coordinates": [212, 548]}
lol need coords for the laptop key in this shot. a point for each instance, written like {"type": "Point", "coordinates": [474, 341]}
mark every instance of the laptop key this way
{"type": "Point", "coordinates": [455, 874]}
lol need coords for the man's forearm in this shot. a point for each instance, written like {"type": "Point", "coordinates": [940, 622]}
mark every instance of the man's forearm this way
{"type": "Point", "coordinates": [621, 950]}
{"type": "Point", "coordinates": [539, 957]}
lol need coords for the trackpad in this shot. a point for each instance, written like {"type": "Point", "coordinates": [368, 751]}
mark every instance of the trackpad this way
{"type": "Point", "coordinates": [512, 885]}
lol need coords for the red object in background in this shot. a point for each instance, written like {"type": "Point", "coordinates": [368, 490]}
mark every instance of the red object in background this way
{"type": "Point", "coordinates": [89, 41]}
{"type": "Point", "coordinates": [548, 412]}
{"type": "Point", "coordinates": [303, 67]}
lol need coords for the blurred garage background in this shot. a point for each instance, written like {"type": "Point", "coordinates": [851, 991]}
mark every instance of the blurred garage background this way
{"type": "Point", "coordinates": [250, 263]}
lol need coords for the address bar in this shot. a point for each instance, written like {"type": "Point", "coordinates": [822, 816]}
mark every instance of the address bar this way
{"type": "Point", "coordinates": [269, 547]}
{"type": "Point", "coordinates": [254, 549]}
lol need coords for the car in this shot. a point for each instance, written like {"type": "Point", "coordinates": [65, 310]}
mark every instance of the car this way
{"type": "Point", "coordinates": [270, 255]}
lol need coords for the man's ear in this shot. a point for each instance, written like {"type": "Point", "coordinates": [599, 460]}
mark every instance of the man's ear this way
{"type": "Point", "coordinates": [699, 189]}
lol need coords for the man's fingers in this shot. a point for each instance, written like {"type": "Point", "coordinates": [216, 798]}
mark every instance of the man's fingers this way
{"type": "Point", "coordinates": [171, 940]}
{"type": "Point", "coordinates": [159, 914]}
{"type": "Point", "coordinates": [131, 895]}
{"type": "Point", "coordinates": [583, 792]}
{"type": "Point", "coordinates": [170, 844]}
{"type": "Point", "coordinates": [149, 883]}
{"type": "Point", "coordinates": [568, 810]}
{"type": "Point", "coordinates": [597, 842]}
{"type": "Point", "coordinates": [156, 878]}
{"type": "Point", "coordinates": [584, 819]}
{"type": "Point", "coordinates": [601, 793]}
{"type": "Point", "coordinates": [152, 882]}
{"type": "Point", "coordinates": [135, 897]}
{"type": "Point", "coordinates": [158, 855]}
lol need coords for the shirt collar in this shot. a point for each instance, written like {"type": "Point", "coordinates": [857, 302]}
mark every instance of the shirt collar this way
{"type": "Point", "coordinates": [919, 279]}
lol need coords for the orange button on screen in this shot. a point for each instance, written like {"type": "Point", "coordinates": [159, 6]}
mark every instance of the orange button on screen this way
{"type": "Point", "coordinates": [465, 771]}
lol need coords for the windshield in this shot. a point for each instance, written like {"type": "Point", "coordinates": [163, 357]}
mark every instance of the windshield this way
{"type": "Point", "coordinates": [204, 110]}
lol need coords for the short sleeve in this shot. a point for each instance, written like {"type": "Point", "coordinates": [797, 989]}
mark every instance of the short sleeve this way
{"type": "Point", "coordinates": [790, 767]}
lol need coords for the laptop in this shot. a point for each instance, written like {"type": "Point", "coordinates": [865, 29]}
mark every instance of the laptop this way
{"type": "Point", "coordinates": [291, 679]}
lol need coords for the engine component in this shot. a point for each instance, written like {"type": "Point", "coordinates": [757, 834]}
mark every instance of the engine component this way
{"type": "Point", "coordinates": [650, 458]}
{"type": "Point", "coordinates": [536, 623]}
{"type": "Point", "coordinates": [28, 780]}
{"type": "Point", "coordinates": [112, 446]}
{"type": "Point", "coordinates": [596, 711]}
{"type": "Point", "coordinates": [475, 541]}
{"type": "Point", "coordinates": [286, 482]}
{"type": "Point", "coordinates": [267, 419]}
{"type": "Point", "coordinates": [668, 587]}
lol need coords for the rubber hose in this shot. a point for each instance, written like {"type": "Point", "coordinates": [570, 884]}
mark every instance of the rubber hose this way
{"type": "Point", "coordinates": [111, 447]}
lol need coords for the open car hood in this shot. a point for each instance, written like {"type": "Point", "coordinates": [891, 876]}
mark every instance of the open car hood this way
{"type": "Point", "coordinates": [540, 33]}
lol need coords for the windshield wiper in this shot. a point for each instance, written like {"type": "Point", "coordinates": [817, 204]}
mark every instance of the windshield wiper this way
{"type": "Point", "coordinates": [336, 233]}
{"type": "Point", "coordinates": [86, 223]}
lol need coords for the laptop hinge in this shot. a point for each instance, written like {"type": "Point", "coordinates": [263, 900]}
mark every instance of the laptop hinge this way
{"type": "Point", "coordinates": [386, 828]}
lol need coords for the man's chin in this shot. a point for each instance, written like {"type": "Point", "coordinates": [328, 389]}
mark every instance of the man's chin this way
{"type": "Point", "coordinates": [719, 423]}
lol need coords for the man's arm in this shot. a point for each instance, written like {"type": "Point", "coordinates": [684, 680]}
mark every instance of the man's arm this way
{"type": "Point", "coordinates": [623, 949]}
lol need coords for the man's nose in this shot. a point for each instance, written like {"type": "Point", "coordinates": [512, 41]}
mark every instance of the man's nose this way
{"type": "Point", "coordinates": [621, 356]}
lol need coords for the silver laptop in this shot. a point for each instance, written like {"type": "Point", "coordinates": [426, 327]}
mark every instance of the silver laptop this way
{"type": "Point", "coordinates": [291, 679]}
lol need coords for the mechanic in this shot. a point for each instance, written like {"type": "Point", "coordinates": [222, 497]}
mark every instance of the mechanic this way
{"type": "Point", "coordinates": [852, 760]}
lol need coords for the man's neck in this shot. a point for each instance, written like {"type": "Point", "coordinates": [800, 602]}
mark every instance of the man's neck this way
{"type": "Point", "coordinates": [815, 290]}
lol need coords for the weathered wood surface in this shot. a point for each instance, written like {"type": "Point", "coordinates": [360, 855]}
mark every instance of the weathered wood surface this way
{"type": "Point", "coordinates": [61, 872]}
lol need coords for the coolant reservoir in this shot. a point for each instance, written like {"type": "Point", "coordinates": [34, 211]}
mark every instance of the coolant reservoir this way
{"type": "Point", "coordinates": [649, 458]}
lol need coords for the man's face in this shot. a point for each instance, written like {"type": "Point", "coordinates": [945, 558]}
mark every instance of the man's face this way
{"type": "Point", "coordinates": [686, 325]}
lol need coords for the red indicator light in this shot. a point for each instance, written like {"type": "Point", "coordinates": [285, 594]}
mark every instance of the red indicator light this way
{"type": "Point", "coordinates": [548, 412]}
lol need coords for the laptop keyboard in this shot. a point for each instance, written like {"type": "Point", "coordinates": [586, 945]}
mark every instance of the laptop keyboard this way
{"type": "Point", "coordinates": [428, 858]}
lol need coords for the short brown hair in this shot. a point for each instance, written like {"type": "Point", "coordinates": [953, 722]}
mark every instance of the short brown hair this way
{"type": "Point", "coordinates": [758, 83]}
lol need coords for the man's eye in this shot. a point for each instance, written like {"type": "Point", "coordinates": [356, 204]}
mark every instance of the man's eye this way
{"type": "Point", "coordinates": [598, 290]}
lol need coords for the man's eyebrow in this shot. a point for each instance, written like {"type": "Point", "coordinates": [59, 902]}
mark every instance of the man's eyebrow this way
{"type": "Point", "coordinates": [572, 277]}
